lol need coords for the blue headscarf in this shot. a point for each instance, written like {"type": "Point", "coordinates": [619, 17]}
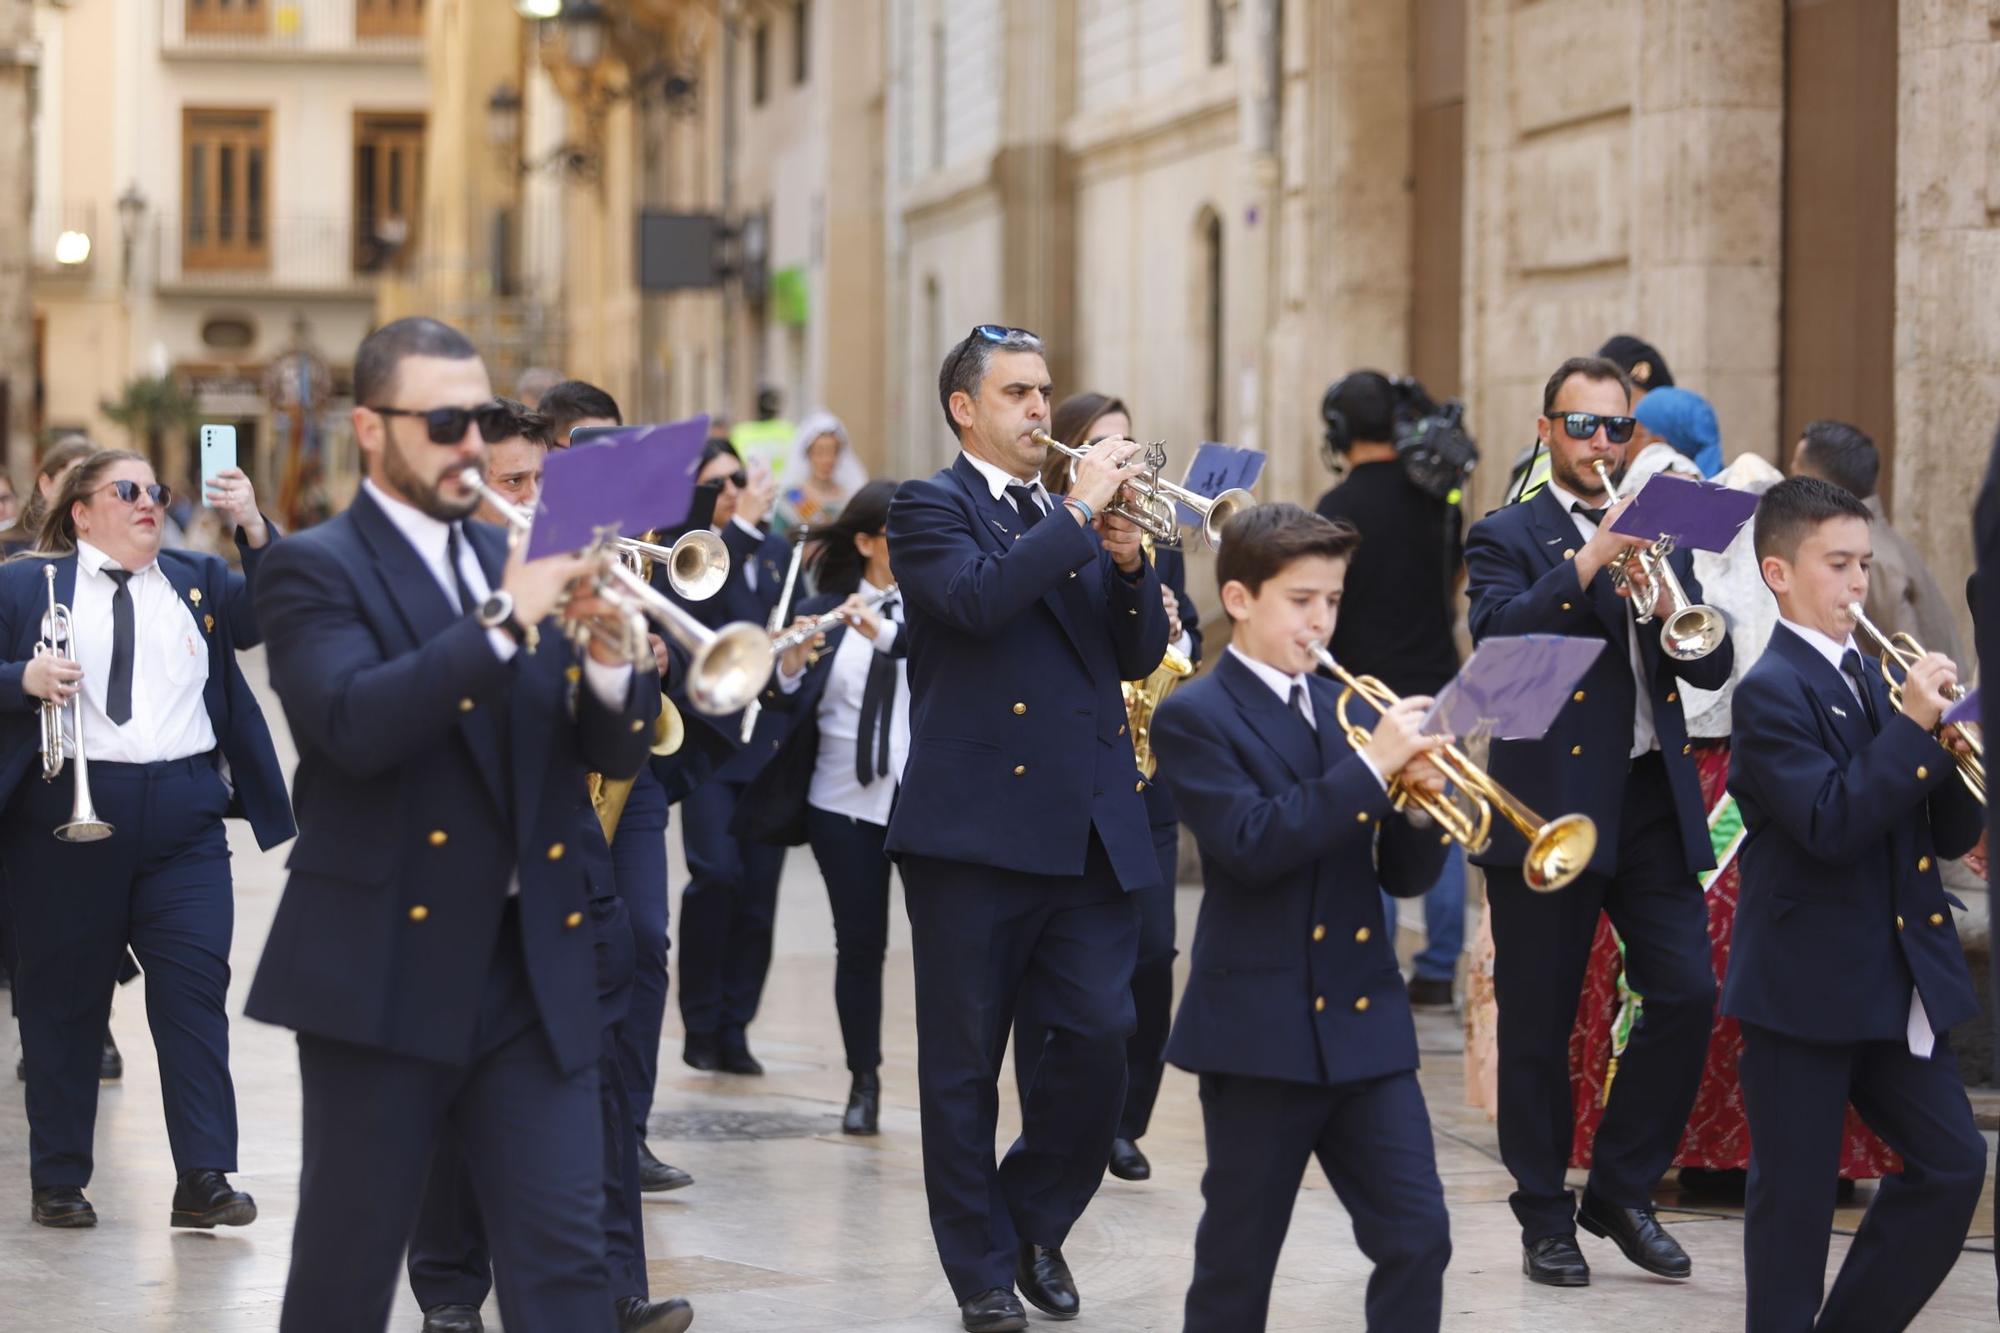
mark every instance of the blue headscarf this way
{"type": "Point", "coordinates": [1685, 420]}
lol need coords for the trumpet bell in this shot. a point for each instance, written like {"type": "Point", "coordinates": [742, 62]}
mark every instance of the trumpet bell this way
{"type": "Point", "coordinates": [91, 829]}
{"type": "Point", "coordinates": [699, 565]}
{"type": "Point", "coordinates": [1694, 633]}
{"type": "Point", "coordinates": [1220, 510]}
{"type": "Point", "coordinates": [1560, 851]}
{"type": "Point", "coordinates": [730, 670]}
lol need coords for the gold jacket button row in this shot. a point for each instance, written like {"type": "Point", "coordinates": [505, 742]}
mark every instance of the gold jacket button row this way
{"type": "Point", "coordinates": [573, 920]}
{"type": "Point", "coordinates": [420, 913]}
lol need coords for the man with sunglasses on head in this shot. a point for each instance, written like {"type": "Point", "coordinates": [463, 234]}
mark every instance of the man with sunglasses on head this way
{"type": "Point", "coordinates": [431, 947]}
{"type": "Point", "coordinates": [1619, 753]}
{"type": "Point", "coordinates": [1021, 823]}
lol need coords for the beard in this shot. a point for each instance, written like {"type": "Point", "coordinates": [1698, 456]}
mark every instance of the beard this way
{"type": "Point", "coordinates": [425, 493]}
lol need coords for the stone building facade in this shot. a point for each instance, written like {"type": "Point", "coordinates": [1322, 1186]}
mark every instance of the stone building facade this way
{"type": "Point", "coordinates": [18, 56]}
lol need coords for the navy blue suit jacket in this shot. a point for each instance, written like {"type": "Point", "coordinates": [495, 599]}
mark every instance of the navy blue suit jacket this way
{"type": "Point", "coordinates": [218, 602]}
{"type": "Point", "coordinates": [1519, 579]}
{"type": "Point", "coordinates": [1292, 976]}
{"type": "Point", "coordinates": [1842, 909]}
{"type": "Point", "coordinates": [412, 823]}
{"type": "Point", "coordinates": [1018, 642]}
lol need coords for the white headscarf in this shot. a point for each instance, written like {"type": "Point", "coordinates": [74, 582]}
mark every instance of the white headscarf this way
{"type": "Point", "coordinates": [848, 472]}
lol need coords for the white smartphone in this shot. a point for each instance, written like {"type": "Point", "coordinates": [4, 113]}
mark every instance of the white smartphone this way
{"type": "Point", "coordinates": [218, 454]}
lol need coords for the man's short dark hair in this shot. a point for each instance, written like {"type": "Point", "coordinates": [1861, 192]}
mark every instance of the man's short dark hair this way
{"type": "Point", "coordinates": [1597, 368]}
{"type": "Point", "coordinates": [1844, 455]}
{"type": "Point", "coordinates": [1262, 541]}
{"type": "Point", "coordinates": [383, 352]}
{"type": "Point", "coordinates": [964, 368]}
{"type": "Point", "coordinates": [524, 423]}
{"type": "Point", "coordinates": [1360, 406]}
{"type": "Point", "coordinates": [572, 401]}
{"type": "Point", "coordinates": [1790, 511]}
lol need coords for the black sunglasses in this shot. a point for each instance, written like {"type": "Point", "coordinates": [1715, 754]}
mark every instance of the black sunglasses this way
{"type": "Point", "coordinates": [447, 424]}
{"type": "Point", "coordinates": [130, 491]}
{"type": "Point", "coordinates": [1583, 425]}
{"type": "Point", "coordinates": [986, 333]}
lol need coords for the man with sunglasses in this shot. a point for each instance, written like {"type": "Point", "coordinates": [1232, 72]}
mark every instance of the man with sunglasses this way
{"type": "Point", "coordinates": [431, 949]}
{"type": "Point", "coordinates": [1021, 823]}
{"type": "Point", "coordinates": [1619, 753]}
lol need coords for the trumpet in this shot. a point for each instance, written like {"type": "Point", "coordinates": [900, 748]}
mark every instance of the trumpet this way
{"type": "Point", "coordinates": [697, 563]}
{"type": "Point", "coordinates": [728, 667]}
{"type": "Point", "coordinates": [1905, 651]}
{"type": "Point", "coordinates": [1147, 501]}
{"type": "Point", "coordinates": [1558, 849]}
{"type": "Point", "coordinates": [1689, 632]}
{"type": "Point", "coordinates": [808, 630]}
{"type": "Point", "coordinates": [58, 642]}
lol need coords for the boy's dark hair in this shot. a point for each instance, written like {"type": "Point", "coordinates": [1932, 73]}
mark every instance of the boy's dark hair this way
{"type": "Point", "coordinates": [383, 352]}
{"type": "Point", "coordinates": [1262, 541]}
{"type": "Point", "coordinates": [572, 401]}
{"type": "Point", "coordinates": [1792, 509]}
{"type": "Point", "coordinates": [1591, 368]}
{"type": "Point", "coordinates": [1844, 455]}
{"type": "Point", "coordinates": [526, 424]}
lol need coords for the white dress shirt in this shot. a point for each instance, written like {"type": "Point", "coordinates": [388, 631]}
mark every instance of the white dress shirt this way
{"type": "Point", "coordinates": [169, 667]}
{"type": "Point", "coordinates": [1645, 734]}
{"type": "Point", "coordinates": [999, 479]}
{"type": "Point", "coordinates": [1282, 685]}
{"type": "Point", "coordinates": [836, 787]}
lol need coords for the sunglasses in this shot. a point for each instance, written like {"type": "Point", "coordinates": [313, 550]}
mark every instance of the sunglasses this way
{"type": "Point", "coordinates": [447, 424]}
{"type": "Point", "coordinates": [986, 333]}
{"type": "Point", "coordinates": [739, 479]}
{"type": "Point", "coordinates": [130, 491]}
{"type": "Point", "coordinates": [1583, 425]}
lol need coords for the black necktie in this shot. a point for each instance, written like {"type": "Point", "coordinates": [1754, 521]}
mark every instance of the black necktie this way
{"type": "Point", "coordinates": [118, 699]}
{"type": "Point", "coordinates": [1850, 663]}
{"type": "Point", "coordinates": [454, 547]}
{"type": "Point", "coordinates": [1596, 516]}
{"type": "Point", "coordinates": [1299, 709]}
{"type": "Point", "coordinates": [1025, 502]}
{"type": "Point", "coordinates": [878, 711]}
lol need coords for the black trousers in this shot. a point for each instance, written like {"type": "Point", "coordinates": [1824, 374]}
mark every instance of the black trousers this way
{"type": "Point", "coordinates": [984, 940]}
{"type": "Point", "coordinates": [1796, 1095]}
{"type": "Point", "coordinates": [1541, 948]}
{"type": "Point", "coordinates": [727, 912]}
{"type": "Point", "coordinates": [639, 867]}
{"type": "Point", "coordinates": [856, 870]}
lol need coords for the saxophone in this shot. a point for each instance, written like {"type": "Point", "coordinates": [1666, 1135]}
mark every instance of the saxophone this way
{"type": "Point", "coordinates": [1142, 697]}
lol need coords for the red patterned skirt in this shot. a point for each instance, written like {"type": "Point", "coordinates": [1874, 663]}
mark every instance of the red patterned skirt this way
{"type": "Point", "coordinates": [1718, 1136]}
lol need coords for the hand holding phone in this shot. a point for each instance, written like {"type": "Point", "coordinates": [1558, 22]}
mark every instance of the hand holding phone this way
{"type": "Point", "coordinates": [218, 455]}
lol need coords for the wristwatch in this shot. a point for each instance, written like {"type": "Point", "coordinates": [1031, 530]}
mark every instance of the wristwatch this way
{"type": "Point", "coordinates": [497, 612]}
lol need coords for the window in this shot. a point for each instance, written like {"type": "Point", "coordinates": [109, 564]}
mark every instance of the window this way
{"type": "Point", "coordinates": [388, 18]}
{"type": "Point", "coordinates": [1208, 239]}
{"type": "Point", "coordinates": [760, 63]}
{"type": "Point", "coordinates": [388, 188]}
{"type": "Point", "coordinates": [227, 16]}
{"type": "Point", "coordinates": [801, 41]}
{"type": "Point", "coordinates": [1218, 31]}
{"type": "Point", "coordinates": [225, 188]}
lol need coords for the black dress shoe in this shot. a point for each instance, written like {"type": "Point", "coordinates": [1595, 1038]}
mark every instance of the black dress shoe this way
{"type": "Point", "coordinates": [736, 1059]}
{"type": "Point", "coordinates": [656, 1177]}
{"type": "Point", "coordinates": [1043, 1277]}
{"type": "Point", "coordinates": [864, 1105]}
{"type": "Point", "coordinates": [1555, 1261]}
{"type": "Point", "coordinates": [453, 1319]}
{"type": "Point", "coordinates": [63, 1206]}
{"type": "Point", "coordinates": [1128, 1163]}
{"type": "Point", "coordinates": [1430, 993]}
{"type": "Point", "coordinates": [994, 1311]}
{"type": "Point", "coordinates": [204, 1199]}
{"type": "Point", "coordinates": [636, 1314]}
{"type": "Point", "coordinates": [700, 1051]}
{"type": "Point", "coordinates": [111, 1065]}
{"type": "Point", "coordinates": [1637, 1232]}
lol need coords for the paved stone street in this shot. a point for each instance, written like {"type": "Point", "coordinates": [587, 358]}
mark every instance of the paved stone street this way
{"type": "Point", "coordinates": [814, 1230]}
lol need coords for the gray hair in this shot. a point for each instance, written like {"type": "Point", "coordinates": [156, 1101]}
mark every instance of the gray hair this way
{"type": "Point", "coordinates": [964, 369]}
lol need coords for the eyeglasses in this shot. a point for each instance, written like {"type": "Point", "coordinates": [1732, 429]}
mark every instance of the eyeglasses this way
{"type": "Point", "coordinates": [1583, 425]}
{"type": "Point", "coordinates": [739, 479]}
{"type": "Point", "coordinates": [130, 491]}
{"type": "Point", "coordinates": [447, 424]}
{"type": "Point", "coordinates": [986, 333]}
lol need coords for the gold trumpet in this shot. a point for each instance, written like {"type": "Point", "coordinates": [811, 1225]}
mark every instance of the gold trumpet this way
{"type": "Point", "coordinates": [1689, 632]}
{"type": "Point", "coordinates": [58, 642]}
{"type": "Point", "coordinates": [1558, 849]}
{"type": "Point", "coordinates": [1147, 501]}
{"type": "Point", "coordinates": [1905, 651]}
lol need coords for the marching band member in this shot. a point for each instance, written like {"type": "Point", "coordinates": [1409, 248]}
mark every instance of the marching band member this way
{"type": "Point", "coordinates": [1021, 826]}
{"type": "Point", "coordinates": [1295, 1017]}
{"type": "Point", "coordinates": [1618, 753]}
{"type": "Point", "coordinates": [174, 742]}
{"type": "Point", "coordinates": [428, 948]}
{"type": "Point", "coordinates": [1850, 806]}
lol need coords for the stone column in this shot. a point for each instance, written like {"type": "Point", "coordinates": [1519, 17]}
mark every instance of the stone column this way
{"type": "Point", "coordinates": [17, 185]}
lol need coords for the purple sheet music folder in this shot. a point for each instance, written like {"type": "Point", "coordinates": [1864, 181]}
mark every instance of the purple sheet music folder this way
{"type": "Point", "coordinates": [1698, 515]}
{"type": "Point", "coordinates": [623, 485]}
{"type": "Point", "coordinates": [1966, 709]}
{"type": "Point", "coordinates": [1214, 469]}
{"type": "Point", "coordinates": [1512, 688]}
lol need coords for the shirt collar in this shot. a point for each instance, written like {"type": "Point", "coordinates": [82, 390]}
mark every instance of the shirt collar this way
{"type": "Point", "coordinates": [1833, 652]}
{"type": "Point", "coordinates": [998, 479]}
{"type": "Point", "coordinates": [93, 561]}
{"type": "Point", "coordinates": [1569, 500]}
{"type": "Point", "coordinates": [1279, 682]}
{"type": "Point", "coordinates": [430, 536]}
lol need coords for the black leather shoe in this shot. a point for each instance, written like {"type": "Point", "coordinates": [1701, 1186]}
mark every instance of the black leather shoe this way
{"type": "Point", "coordinates": [736, 1059]}
{"type": "Point", "coordinates": [656, 1177]}
{"type": "Point", "coordinates": [110, 1065]}
{"type": "Point", "coordinates": [864, 1105]}
{"type": "Point", "coordinates": [1555, 1261]}
{"type": "Point", "coordinates": [63, 1206]}
{"type": "Point", "coordinates": [453, 1319]}
{"type": "Point", "coordinates": [204, 1199]}
{"type": "Point", "coordinates": [1430, 993]}
{"type": "Point", "coordinates": [994, 1311]}
{"type": "Point", "coordinates": [1128, 1163]}
{"type": "Point", "coordinates": [1043, 1277]}
{"type": "Point", "coordinates": [701, 1052]}
{"type": "Point", "coordinates": [636, 1314]}
{"type": "Point", "coordinates": [1637, 1232]}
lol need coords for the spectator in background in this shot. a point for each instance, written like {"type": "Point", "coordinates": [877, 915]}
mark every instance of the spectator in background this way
{"type": "Point", "coordinates": [821, 475]}
{"type": "Point", "coordinates": [1677, 432]}
{"type": "Point", "coordinates": [534, 382]}
{"type": "Point", "coordinates": [56, 462]}
{"type": "Point", "coordinates": [1641, 362]}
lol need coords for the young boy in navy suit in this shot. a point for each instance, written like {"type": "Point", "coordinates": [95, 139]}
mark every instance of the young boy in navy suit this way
{"type": "Point", "coordinates": [1295, 1015]}
{"type": "Point", "coordinates": [1846, 970]}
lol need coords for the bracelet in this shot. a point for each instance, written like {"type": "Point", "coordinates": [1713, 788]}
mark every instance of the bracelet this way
{"type": "Point", "coordinates": [1085, 509]}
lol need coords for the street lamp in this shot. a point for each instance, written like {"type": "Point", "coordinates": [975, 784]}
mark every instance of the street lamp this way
{"type": "Point", "coordinates": [131, 212]}
{"type": "Point", "coordinates": [585, 31]}
{"type": "Point", "coordinates": [503, 117]}
{"type": "Point", "coordinates": [538, 9]}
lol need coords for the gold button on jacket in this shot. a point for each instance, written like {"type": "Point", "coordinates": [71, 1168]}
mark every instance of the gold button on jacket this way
{"type": "Point", "coordinates": [1937, 918]}
{"type": "Point", "coordinates": [1362, 935]}
{"type": "Point", "coordinates": [1361, 1005]}
{"type": "Point", "coordinates": [420, 913]}
{"type": "Point", "coordinates": [555, 851]}
{"type": "Point", "coordinates": [573, 920]}
{"type": "Point", "coordinates": [1319, 933]}
{"type": "Point", "coordinates": [438, 837]}
{"type": "Point", "coordinates": [1319, 1004]}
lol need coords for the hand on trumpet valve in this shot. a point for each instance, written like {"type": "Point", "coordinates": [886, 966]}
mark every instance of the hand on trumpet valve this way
{"type": "Point", "coordinates": [1927, 690]}
{"type": "Point", "coordinates": [1123, 539]}
{"type": "Point", "coordinates": [55, 679]}
{"type": "Point", "coordinates": [794, 661]}
{"type": "Point", "coordinates": [1173, 605]}
{"type": "Point", "coordinates": [1606, 547]}
{"type": "Point", "coordinates": [1399, 738]}
{"type": "Point", "coordinates": [865, 619]}
{"type": "Point", "coordinates": [1420, 774]}
{"type": "Point", "coordinates": [538, 587]}
{"type": "Point", "coordinates": [608, 641]}
{"type": "Point", "coordinates": [660, 658]}
{"type": "Point", "coordinates": [1103, 471]}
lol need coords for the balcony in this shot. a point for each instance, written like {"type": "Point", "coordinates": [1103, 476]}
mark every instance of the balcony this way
{"type": "Point", "coordinates": [327, 30]}
{"type": "Point", "coordinates": [284, 257]}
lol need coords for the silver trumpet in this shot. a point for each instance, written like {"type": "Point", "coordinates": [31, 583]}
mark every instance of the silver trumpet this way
{"type": "Point", "coordinates": [728, 667]}
{"type": "Point", "coordinates": [1688, 632]}
{"type": "Point", "coordinates": [57, 642]}
{"type": "Point", "coordinates": [808, 630]}
{"type": "Point", "coordinates": [1147, 501]}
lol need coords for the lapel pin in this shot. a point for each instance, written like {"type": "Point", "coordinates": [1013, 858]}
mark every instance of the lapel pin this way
{"type": "Point", "coordinates": [1838, 711]}
{"type": "Point", "coordinates": [208, 623]}
{"type": "Point", "coordinates": [194, 595]}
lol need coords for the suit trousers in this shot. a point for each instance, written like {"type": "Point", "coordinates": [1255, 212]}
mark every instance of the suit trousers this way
{"type": "Point", "coordinates": [982, 941]}
{"type": "Point", "coordinates": [1541, 947]}
{"type": "Point", "coordinates": [160, 883]}
{"type": "Point", "coordinates": [1795, 1094]}
{"type": "Point", "coordinates": [639, 863]}
{"type": "Point", "coordinates": [1373, 1140]}
{"type": "Point", "coordinates": [532, 1142]}
{"type": "Point", "coordinates": [727, 911]}
{"type": "Point", "coordinates": [856, 870]}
